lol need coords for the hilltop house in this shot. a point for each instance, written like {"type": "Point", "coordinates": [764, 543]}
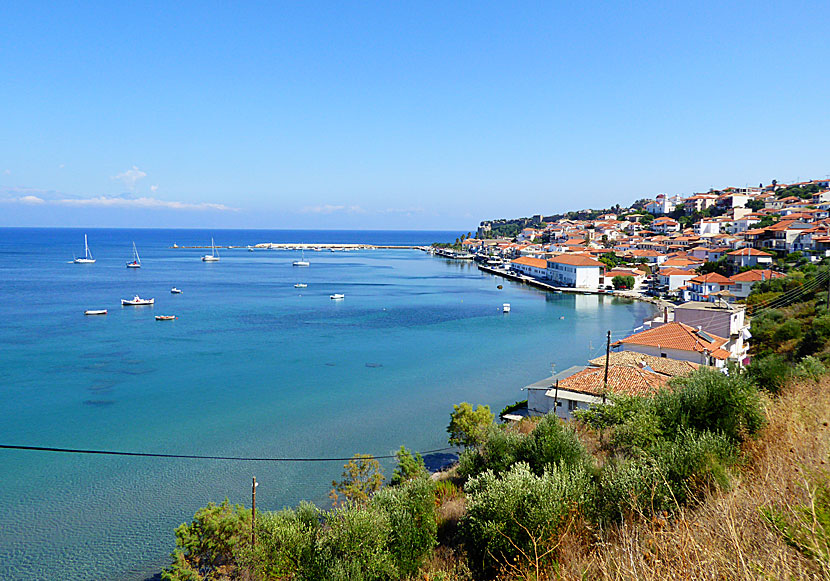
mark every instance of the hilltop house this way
{"type": "Point", "coordinates": [751, 257]}
{"type": "Point", "coordinates": [703, 287]}
{"type": "Point", "coordinates": [744, 281]}
{"type": "Point", "coordinates": [677, 341]}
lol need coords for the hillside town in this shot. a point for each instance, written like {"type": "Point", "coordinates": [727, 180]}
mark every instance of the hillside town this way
{"type": "Point", "coordinates": [697, 257]}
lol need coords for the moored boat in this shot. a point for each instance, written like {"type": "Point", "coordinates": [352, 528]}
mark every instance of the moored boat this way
{"type": "Point", "coordinates": [136, 261]}
{"type": "Point", "coordinates": [87, 259]}
{"type": "Point", "coordinates": [166, 317]}
{"type": "Point", "coordinates": [96, 312]}
{"type": "Point", "coordinates": [175, 291]}
{"type": "Point", "coordinates": [137, 301]}
{"type": "Point", "coordinates": [505, 308]}
{"type": "Point", "coordinates": [300, 285]}
{"type": "Point", "coordinates": [213, 256]}
{"type": "Point", "coordinates": [337, 296]}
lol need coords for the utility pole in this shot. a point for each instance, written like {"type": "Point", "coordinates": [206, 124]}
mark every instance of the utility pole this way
{"type": "Point", "coordinates": [253, 512]}
{"type": "Point", "coordinates": [607, 357]}
{"type": "Point", "coordinates": [556, 398]}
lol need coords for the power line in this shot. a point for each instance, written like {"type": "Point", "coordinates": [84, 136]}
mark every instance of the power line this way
{"type": "Point", "coordinates": [198, 457]}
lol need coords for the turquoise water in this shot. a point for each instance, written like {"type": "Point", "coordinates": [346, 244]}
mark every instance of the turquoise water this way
{"type": "Point", "coordinates": [252, 367]}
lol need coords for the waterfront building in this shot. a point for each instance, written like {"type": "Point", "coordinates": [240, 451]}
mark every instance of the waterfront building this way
{"type": "Point", "coordinates": [677, 341]}
{"type": "Point", "coordinates": [575, 270]}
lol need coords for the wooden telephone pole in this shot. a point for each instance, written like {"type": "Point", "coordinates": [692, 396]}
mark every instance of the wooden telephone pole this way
{"type": "Point", "coordinates": [253, 511]}
{"type": "Point", "coordinates": [607, 357]}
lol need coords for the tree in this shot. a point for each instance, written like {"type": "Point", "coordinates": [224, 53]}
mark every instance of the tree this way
{"type": "Point", "coordinates": [408, 467]}
{"type": "Point", "coordinates": [467, 426]}
{"type": "Point", "coordinates": [205, 548]}
{"type": "Point", "coordinates": [624, 282]}
{"type": "Point", "coordinates": [362, 477]}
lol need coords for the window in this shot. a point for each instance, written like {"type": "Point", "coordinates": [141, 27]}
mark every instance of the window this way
{"type": "Point", "coordinates": [663, 355]}
{"type": "Point", "coordinates": [572, 405]}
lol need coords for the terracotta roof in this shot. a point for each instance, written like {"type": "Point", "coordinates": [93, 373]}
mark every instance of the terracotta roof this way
{"type": "Point", "coordinates": [575, 260]}
{"type": "Point", "coordinates": [756, 275]}
{"type": "Point", "coordinates": [528, 261]}
{"type": "Point", "coordinates": [678, 336]}
{"type": "Point", "coordinates": [663, 365]}
{"type": "Point", "coordinates": [748, 252]}
{"type": "Point", "coordinates": [712, 278]}
{"type": "Point", "coordinates": [676, 271]}
{"type": "Point", "coordinates": [622, 379]}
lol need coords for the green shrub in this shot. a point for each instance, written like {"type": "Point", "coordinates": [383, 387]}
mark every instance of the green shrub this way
{"type": "Point", "coordinates": [467, 425]}
{"type": "Point", "coordinates": [710, 401]}
{"type": "Point", "coordinates": [552, 442]}
{"type": "Point", "coordinates": [286, 542]}
{"type": "Point", "coordinates": [498, 451]}
{"type": "Point", "coordinates": [810, 368]}
{"type": "Point", "coordinates": [408, 467]}
{"type": "Point", "coordinates": [770, 373]}
{"type": "Point", "coordinates": [507, 514]}
{"type": "Point", "coordinates": [627, 487]}
{"type": "Point", "coordinates": [815, 338]}
{"type": "Point", "coordinates": [789, 329]}
{"type": "Point", "coordinates": [413, 523]}
{"type": "Point", "coordinates": [210, 542]}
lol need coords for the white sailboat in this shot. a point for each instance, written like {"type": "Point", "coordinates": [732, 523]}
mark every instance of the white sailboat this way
{"type": "Point", "coordinates": [301, 262]}
{"type": "Point", "coordinates": [136, 263]}
{"type": "Point", "coordinates": [213, 256]}
{"type": "Point", "coordinates": [87, 259]}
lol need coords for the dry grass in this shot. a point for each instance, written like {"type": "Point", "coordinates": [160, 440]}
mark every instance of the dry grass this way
{"type": "Point", "coordinates": [726, 536]}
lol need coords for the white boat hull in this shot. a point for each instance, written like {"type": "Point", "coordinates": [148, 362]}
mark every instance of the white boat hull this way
{"type": "Point", "coordinates": [301, 263]}
{"type": "Point", "coordinates": [337, 297]}
{"type": "Point", "coordinates": [209, 258]}
{"type": "Point", "coordinates": [84, 260]}
{"type": "Point", "coordinates": [175, 291]}
{"type": "Point", "coordinates": [98, 312]}
{"type": "Point", "coordinates": [137, 302]}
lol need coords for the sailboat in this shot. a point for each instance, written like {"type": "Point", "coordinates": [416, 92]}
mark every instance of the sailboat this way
{"type": "Point", "coordinates": [302, 262]}
{"type": "Point", "coordinates": [87, 259]}
{"type": "Point", "coordinates": [136, 263]}
{"type": "Point", "coordinates": [212, 257]}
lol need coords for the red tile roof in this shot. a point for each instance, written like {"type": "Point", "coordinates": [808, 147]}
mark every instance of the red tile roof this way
{"type": "Point", "coordinates": [756, 275]}
{"type": "Point", "coordinates": [622, 379]}
{"type": "Point", "coordinates": [748, 252]}
{"type": "Point", "coordinates": [712, 278]}
{"type": "Point", "coordinates": [528, 261]}
{"type": "Point", "coordinates": [678, 336]}
{"type": "Point", "coordinates": [575, 260]}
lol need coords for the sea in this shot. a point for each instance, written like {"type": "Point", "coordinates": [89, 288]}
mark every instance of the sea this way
{"type": "Point", "coordinates": [252, 367]}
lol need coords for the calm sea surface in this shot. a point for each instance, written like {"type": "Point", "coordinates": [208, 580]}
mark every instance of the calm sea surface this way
{"type": "Point", "coordinates": [252, 367]}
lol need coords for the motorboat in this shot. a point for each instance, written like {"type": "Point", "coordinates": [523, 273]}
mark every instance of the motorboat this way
{"type": "Point", "coordinates": [176, 291]}
{"type": "Point", "coordinates": [136, 262]}
{"type": "Point", "coordinates": [300, 285]}
{"type": "Point", "coordinates": [213, 256]}
{"type": "Point", "coordinates": [166, 317]}
{"type": "Point", "coordinates": [96, 312]}
{"type": "Point", "coordinates": [250, 248]}
{"type": "Point", "coordinates": [337, 297]}
{"type": "Point", "coordinates": [505, 308]}
{"type": "Point", "coordinates": [137, 301]}
{"type": "Point", "coordinates": [87, 259]}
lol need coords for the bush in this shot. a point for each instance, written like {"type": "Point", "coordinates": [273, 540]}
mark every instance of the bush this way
{"type": "Point", "coordinates": [412, 519]}
{"type": "Point", "coordinates": [770, 373]}
{"type": "Point", "coordinates": [815, 338]}
{"type": "Point", "coordinates": [209, 544]}
{"type": "Point", "coordinates": [789, 329]}
{"type": "Point", "coordinates": [709, 401]}
{"type": "Point", "coordinates": [518, 513]}
{"type": "Point", "coordinates": [810, 368]}
{"type": "Point", "coordinates": [623, 282]}
{"type": "Point", "coordinates": [467, 426]}
{"type": "Point", "coordinates": [286, 542]}
{"type": "Point", "coordinates": [408, 467]}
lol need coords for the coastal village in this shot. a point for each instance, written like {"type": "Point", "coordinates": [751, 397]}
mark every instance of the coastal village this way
{"type": "Point", "coordinates": [697, 258]}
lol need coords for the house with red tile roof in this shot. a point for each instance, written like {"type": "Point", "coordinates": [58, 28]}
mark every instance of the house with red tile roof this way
{"type": "Point", "coordinates": [703, 287]}
{"type": "Point", "coordinates": [744, 281]}
{"type": "Point", "coordinates": [535, 267]}
{"type": "Point", "coordinates": [677, 341]}
{"type": "Point", "coordinates": [575, 270]}
{"type": "Point", "coordinates": [752, 257]}
{"type": "Point", "coordinates": [670, 279]}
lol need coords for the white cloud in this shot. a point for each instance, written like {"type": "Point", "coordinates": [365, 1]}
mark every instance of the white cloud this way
{"type": "Point", "coordinates": [144, 202]}
{"type": "Point", "coordinates": [32, 200]}
{"type": "Point", "coordinates": [131, 177]}
{"type": "Point", "coordinates": [154, 189]}
{"type": "Point", "coordinates": [331, 209]}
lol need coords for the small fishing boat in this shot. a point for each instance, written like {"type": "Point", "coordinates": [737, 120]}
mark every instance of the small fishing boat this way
{"type": "Point", "coordinates": [87, 259]}
{"type": "Point", "coordinates": [176, 291]}
{"type": "Point", "coordinates": [96, 312]}
{"type": "Point", "coordinates": [136, 262]}
{"type": "Point", "coordinates": [250, 248]}
{"type": "Point", "coordinates": [137, 301]}
{"type": "Point", "coordinates": [213, 256]}
{"type": "Point", "coordinates": [300, 285]}
{"type": "Point", "coordinates": [166, 317]}
{"type": "Point", "coordinates": [505, 308]}
{"type": "Point", "coordinates": [337, 297]}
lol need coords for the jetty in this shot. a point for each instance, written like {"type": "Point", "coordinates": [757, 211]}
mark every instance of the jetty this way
{"type": "Point", "coordinates": [313, 247]}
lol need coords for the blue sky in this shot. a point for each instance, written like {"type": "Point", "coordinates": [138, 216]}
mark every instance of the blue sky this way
{"type": "Point", "coordinates": [398, 115]}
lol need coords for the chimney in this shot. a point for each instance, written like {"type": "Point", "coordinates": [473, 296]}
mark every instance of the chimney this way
{"type": "Point", "coordinates": [665, 314]}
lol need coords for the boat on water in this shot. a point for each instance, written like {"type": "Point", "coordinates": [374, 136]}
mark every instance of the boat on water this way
{"type": "Point", "coordinates": [213, 256]}
{"type": "Point", "coordinates": [87, 259]}
{"type": "Point", "coordinates": [505, 308]}
{"type": "Point", "coordinates": [166, 317]}
{"type": "Point", "coordinates": [176, 291]}
{"type": "Point", "coordinates": [96, 312]}
{"type": "Point", "coordinates": [337, 297]}
{"type": "Point", "coordinates": [300, 285]}
{"type": "Point", "coordinates": [302, 261]}
{"type": "Point", "coordinates": [136, 262]}
{"type": "Point", "coordinates": [137, 301]}
{"type": "Point", "coordinates": [250, 248]}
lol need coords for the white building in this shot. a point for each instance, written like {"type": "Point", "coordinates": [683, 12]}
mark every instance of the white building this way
{"type": "Point", "coordinates": [575, 270]}
{"type": "Point", "coordinates": [677, 341]}
{"type": "Point", "coordinates": [535, 267]}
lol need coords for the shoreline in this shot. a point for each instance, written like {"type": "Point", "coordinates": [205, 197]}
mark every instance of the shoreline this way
{"type": "Point", "coordinates": [313, 247]}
